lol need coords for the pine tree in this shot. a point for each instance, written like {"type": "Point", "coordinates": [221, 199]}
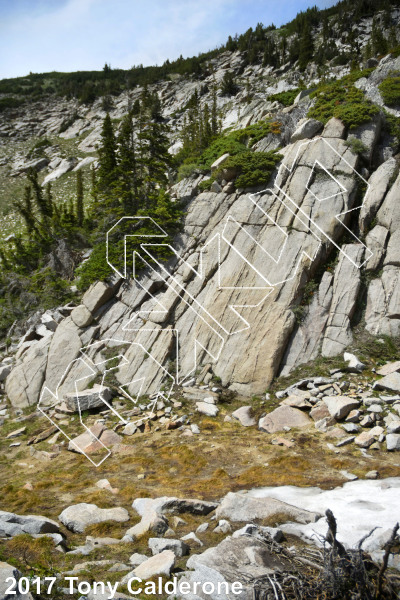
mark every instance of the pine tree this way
{"type": "Point", "coordinates": [79, 198]}
{"type": "Point", "coordinates": [379, 42]}
{"type": "Point", "coordinates": [107, 172]}
{"type": "Point", "coordinates": [228, 84]}
{"type": "Point", "coordinates": [306, 49]}
{"type": "Point", "coordinates": [154, 158]}
{"type": "Point", "coordinates": [25, 210]}
{"type": "Point", "coordinates": [214, 111]}
{"type": "Point", "coordinates": [129, 183]}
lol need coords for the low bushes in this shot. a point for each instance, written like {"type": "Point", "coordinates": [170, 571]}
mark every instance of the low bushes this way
{"type": "Point", "coordinates": [390, 91]}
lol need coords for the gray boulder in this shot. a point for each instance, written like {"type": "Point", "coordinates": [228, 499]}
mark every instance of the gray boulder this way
{"type": "Point", "coordinates": [390, 382]}
{"type": "Point", "coordinates": [334, 128]}
{"type": "Point", "coordinates": [7, 571]}
{"type": "Point", "coordinates": [67, 164]}
{"type": "Point", "coordinates": [178, 547]}
{"type": "Point", "coordinates": [249, 560]}
{"type": "Point", "coordinates": [244, 414]}
{"type": "Point", "coordinates": [205, 408]}
{"type": "Point", "coordinates": [78, 516]}
{"type": "Point", "coordinates": [97, 295]}
{"type": "Point", "coordinates": [88, 399]}
{"type": "Point", "coordinates": [306, 129]}
{"type": "Point", "coordinates": [157, 565]}
{"type": "Point", "coordinates": [340, 406]}
{"type": "Point", "coordinates": [368, 134]}
{"type": "Point", "coordinates": [393, 441]}
{"type": "Point", "coordinates": [12, 524]}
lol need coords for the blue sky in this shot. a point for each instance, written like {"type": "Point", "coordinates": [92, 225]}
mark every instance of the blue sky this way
{"type": "Point", "coordinates": [72, 35]}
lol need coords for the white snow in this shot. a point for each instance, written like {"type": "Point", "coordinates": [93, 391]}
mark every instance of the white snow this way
{"type": "Point", "coordinates": [358, 506]}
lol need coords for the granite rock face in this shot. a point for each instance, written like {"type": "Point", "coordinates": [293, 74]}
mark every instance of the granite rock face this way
{"type": "Point", "coordinates": [236, 295]}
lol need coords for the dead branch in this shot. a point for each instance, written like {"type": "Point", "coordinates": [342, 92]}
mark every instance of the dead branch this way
{"type": "Point", "coordinates": [388, 548]}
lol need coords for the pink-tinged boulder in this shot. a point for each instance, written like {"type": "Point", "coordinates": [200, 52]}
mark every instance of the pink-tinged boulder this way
{"type": "Point", "coordinates": [283, 416]}
{"type": "Point", "coordinates": [86, 443]}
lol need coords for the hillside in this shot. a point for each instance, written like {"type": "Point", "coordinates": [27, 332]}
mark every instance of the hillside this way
{"type": "Point", "coordinates": [199, 297]}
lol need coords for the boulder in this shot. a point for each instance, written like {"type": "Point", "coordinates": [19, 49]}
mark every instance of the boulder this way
{"type": "Point", "coordinates": [389, 368]}
{"type": "Point", "coordinates": [368, 134]}
{"type": "Point", "coordinates": [296, 402]}
{"type": "Point", "coordinates": [12, 524]}
{"type": "Point", "coordinates": [306, 129]}
{"type": "Point", "coordinates": [281, 417]}
{"type": "Point", "coordinates": [250, 559]}
{"type": "Point", "coordinates": [7, 573]}
{"type": "Point", "coordinates": [78, 516]}
{"type": "Point", "coordinates": [319, 411]}
{"type": "Point", "coordinates": [199, 395]}
{"type": "Point", "coordinates": [393, 441]}
{"type": "Point", "coordinates": [367, 438]}
{"type": "Point", "coordinates": [242, 507]}
{"type": "Point", "coordinates": [158, 565]}
{"type": "Point", "coordinates": [353, 364]}
{"type": "Point", "coordinates": [340, 406]}
{"type": "Point", "coordinates": [88, 399]}
{"type": "Point", "coordinates": [334, 128]}
{"type": "Point", "coordinates": [137, 559]}
{"type": "Point", "coordinates": [5, 370]}
{"type": "Point", "coordinates": [97, 295]}
{"type": "Point", "coordinates": [390, 382]}
{"type": "Point", "coordinates": [24, 383]}
{"type": "Point", "coordinates": [216, 164]}
{"type": "Point", "coordinates": [67, 164]}
{"type": "Point", "coordinates": [81, 316]}
{"type": "Point", "coordinates": [379, 183]}
{"type": "Point", "coordinates": [244, 414]}
{"type": "Point", "coordinates": [205, 408]}
{"type": "Point", "coordinates": [178, 547]}
{"type": "Point", "coordinates": [88, 442]}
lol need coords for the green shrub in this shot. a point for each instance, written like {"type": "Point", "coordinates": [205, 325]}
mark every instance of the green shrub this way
{"type": "Point", "coordinates": [390, 91]}
{"type": "Point", "coordinates": [186, 170]}
{"type": "Point", "coordinates": [356, 145]}
{"type": "Point", "coordinates": [206, 184]}
{"type": "Point", "coordinates": [236, 142]}
{"type": "Point", "coordinates": [220, 146]}
{"type": "Point", "coordinates": [285, 98]}
{"type": "Point", "coordinates": [252, 168]}
{"type": "Point", "coordinates": [10, 102]}
{"type": "Point", "coordinates": [341, 99]}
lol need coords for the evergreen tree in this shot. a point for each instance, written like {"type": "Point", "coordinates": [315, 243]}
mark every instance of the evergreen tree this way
{"type": "Point", "coordinates": [214, 111]}
{"type": "Point", "coordinates": [306, 48]}
{"type": "Point", "coordinates": [129, 183]}
{"type": "Point", "coordinates": [228, 84]}
{"type": "Point", "coordinates": [107, 172]}
{"type": "Point", "coordinates": [378, 40]}
{"type": "Point", "coordinates": [79, 198]}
